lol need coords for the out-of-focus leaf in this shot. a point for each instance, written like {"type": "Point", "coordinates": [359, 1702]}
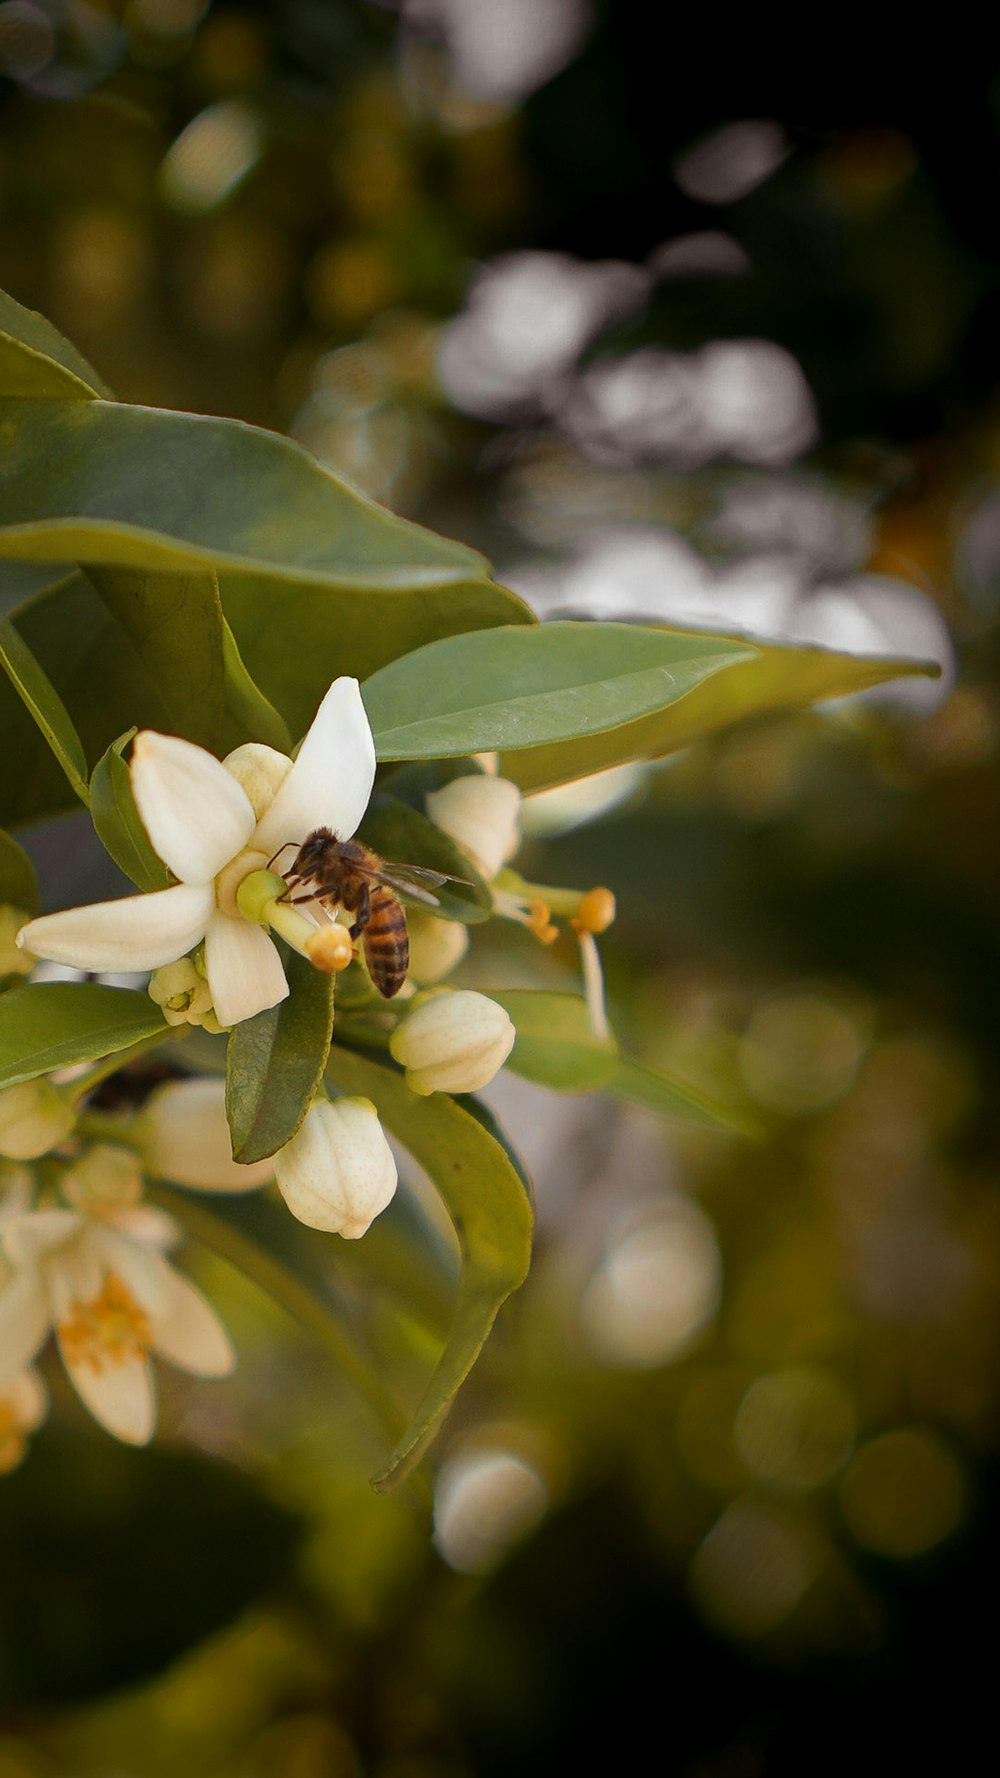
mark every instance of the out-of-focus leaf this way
{"type": "Point", "coordinates": [18, 883]}
{"type": "Point", "coordinates": [401, 834]}
{"type": "Point", "coordinates": [174, 622]}
{"type": "Point", "coordinates": [486, 1198]}
{"type": "Point", "coordinates": [659, 1092]}
{"type": "Point", "coordinates": [527, 687]}
{"type": "Point", "coordinates": [116, 818]}
{"type": "Point", "coordinates": [47, 1025]}
{"type": "Point", "coordinates": [275, 1062]}
{"type": "Point", "coordinates": [148, 488]}
{"type": "Point", "coordinates": [556, 1045]}
{"type": "Point", "coordinates": [41, 699]}
{"type": "Point", "coordinates": [768, 679]}
{"type": "Point", "coordinates": [117, 1562]}
{"type": "Point", "coordinates": [294, 640]}
{"type": "Point", "coordinates": [35, 360]}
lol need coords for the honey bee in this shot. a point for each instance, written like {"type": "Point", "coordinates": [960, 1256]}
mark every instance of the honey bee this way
{"type": "Point", "coordinates": [349, 873]}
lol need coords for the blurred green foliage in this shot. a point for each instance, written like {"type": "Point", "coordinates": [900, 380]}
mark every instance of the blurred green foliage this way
{"type": "Point", "coordinates": [735, 1441]}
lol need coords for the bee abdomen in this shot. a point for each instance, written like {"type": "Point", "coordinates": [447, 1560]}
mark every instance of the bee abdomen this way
{"type": "Point", "coordinates": [387, 944]}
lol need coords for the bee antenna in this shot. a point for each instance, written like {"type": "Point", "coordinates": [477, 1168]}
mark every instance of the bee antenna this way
{"type": "Point", "coordinates": [284, 848]}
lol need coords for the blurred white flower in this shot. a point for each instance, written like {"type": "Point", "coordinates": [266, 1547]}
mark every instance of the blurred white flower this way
{"type": "Point", "coordinates": [23, 1407]}
{"type": "Point", "coordinates": [185, 1138]}
{"type": "Point", "coordinates": [480, 813]}
{"type": "Point", "coordinates": [34, 1119]}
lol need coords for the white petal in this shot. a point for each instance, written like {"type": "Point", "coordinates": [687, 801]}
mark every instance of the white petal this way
{"type": "Point", "coordinates": [331, 781]}
{"type": "Point", "coordinates": [196, 815]}
{"type": "Point", "coordinates": [25, 1237]}
{"type": "Point", "coordinates": [190, 1334]}
{"type": "Point", "coordinates": [143, 1222]}
{"type": "Point", "coordinates": [143, 1270]}
{"type": "Point", "coordinates": [244, 969]}
{"type": "Point", "coordinates": [119, 1393]}
{"type": "Point", "coordinates": [138, 932]}
{"type": "Point", "coordinates": [24, 1321]}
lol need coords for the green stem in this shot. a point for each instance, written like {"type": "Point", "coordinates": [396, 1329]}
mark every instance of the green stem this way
{"type": "Point", "coordinates": [108, 1126]}
{"type": "Point", "coordinates": [78, 1089]}
{"type": "Point", "coordinates": [268, 1273]}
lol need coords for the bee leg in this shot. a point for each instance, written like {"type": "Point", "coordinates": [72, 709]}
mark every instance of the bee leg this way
{"type": "Point", "coordinates": [363, 911]}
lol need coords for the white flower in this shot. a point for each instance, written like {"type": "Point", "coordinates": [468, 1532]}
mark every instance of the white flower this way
{"type": "Point", "coordinates": [102, 1283]}
{"type": "Point", "coordinates": [211, 832]}
{"type": "Point", "coordinates": [337, 1173]}
{"type": "Point", "coordinates": [453, 1042]}
{"type": "Point", "coordinates": [185, 1138]}
{"type": "Point", "coordinates": [436, 946]}
{"type": "Point", "coordinates": [480, 813]}
{"type": "Point", "coordinates": [23, 1406]}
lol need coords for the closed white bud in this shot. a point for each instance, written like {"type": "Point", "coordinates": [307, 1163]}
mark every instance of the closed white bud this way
{"type": "Point", "coordinates": [453, 1042]}
{"type": "Point", "coordinates": [480, 814]}
{"type": "Point", "coordinates": [436, 946]}
{"type": "Point", "coordinates": [338, 1172]}
{"type": "Point", "coordinates": [34, 1118]}
{"type": "Point", "coordinates": [185, 1138]}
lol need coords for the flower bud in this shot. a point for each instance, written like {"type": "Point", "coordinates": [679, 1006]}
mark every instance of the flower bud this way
{"type": "Point", "coordinates": [182, 993]}
{"type": "Point", "coordinates": [14, 959]}
{"type": "Point", "coordinates": [453, 1042]}
{"type": "Point", "coordinates": [338, 1172]}
{"type": "Point", "coordinates": [107, 1177]}
{"type": "Point", "coordinates": [185, 1138]}
{"type": "Point", "coordinates": [480, 814]}
{"type": "Point", "coordinates": [436, 946]}
{"type": "Point", "coordinates": [260, 771]}
{"type": "Point", "coordinates": [34, 1118]}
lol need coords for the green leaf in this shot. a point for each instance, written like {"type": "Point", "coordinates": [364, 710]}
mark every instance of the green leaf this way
{"type": "Point", "coordinates": [525, 687]}
{"type": "Point", "coordinates": [147, 488]}
{"type": "Point", "coordinates": [174, 622]}
{"type": "Point", "coordinates": [401, 834]}
{"type": "Point", "coordinates": [116, 818]}
{"type": "Point", "coordinates": [658, 1092]}
{"type": "Point", "coordinates": [767, 678]}
{"type": "Point", "coordinates": [488, 1203]}
{"type": "Point", "coordinates": [41, 699]}
{"type": "Point", "coordinates": [275, 1062]}
{"type": "Point", "coordinates": [97, 674]}
{"type": "Point", "coordinates": [35, 360]}
{"type": "Point", "coordinates": [18, 883]}
{"type": "Point", "coordinates": [48, 1025]}
{"type": "Point", "coordinates": [555, 1043]}
{"type": "Point", "coordinates": [250, 712]}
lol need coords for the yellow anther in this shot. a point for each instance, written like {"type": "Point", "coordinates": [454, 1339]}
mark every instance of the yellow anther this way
{"type": "Point", "coordinates": [595, 912]}
{"type": "Point", "coordinates": [539, 923]}
{"type": "Point", "coordinates": [330, 948]}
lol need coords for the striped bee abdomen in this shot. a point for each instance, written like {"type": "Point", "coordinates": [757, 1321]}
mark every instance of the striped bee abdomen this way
{"type": "Point", "coordinates": [386, 942]}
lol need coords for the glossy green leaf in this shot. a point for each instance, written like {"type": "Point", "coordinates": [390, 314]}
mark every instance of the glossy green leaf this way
{"type": "Point", "coordinates": [44, 704]}
{"type": "Point", "coordinates": [401, 834]}
{"type": "Point", "coordinates": [556, 1045]}
{"type": "Point", "coordinates": [18, 883]}
{"type": "Point", "coordinates": [175, 624]}
{"type": "Point", "coordinates": [522, 687]}
{"type": "Point", "coordinates": [768, 679]}
{"type": "Point", "coordinates": [98, 675]}
{"type": "Point", "coordinates": [35, 360]}
{"type": "Point", "coordinates": [294, 640]}
{"type": "Point", "coordinates": [47, 1025]}
{"type": "Point", "coordinates": [275, 1062]}
{"type": "Point", "coordinates": [659, 1092]}
{"type": "Point", "coordinates": [252, 715]}
{"type": "Point", "coordinates": [116, 818]}
{"type": "Point", "coordinates": [489, 1205]}
{"type": "Point", "coordinates": [148, 488]}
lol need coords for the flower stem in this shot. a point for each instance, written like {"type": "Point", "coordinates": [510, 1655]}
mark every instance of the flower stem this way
{"type": "Point", "coordinates": [77, 1090]}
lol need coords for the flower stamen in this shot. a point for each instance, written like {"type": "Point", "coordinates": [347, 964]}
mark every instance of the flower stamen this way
{"type": "Point", "coordinates": [110, 1330]}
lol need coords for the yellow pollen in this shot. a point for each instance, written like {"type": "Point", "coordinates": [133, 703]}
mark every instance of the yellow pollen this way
{"type": "Point", "coordinates": [595, 913]}
{"type": "Point", "coordinates": [330, 949]}
{"type": "Point", "coordinates": [109, 1330]}
{"type": "Point", "coordinates": [539, 923]}
{"type": "Point", "coordinates": [231, 876]}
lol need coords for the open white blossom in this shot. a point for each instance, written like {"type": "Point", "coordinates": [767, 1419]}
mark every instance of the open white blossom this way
{"type": "Point", "coordinates": [99, 1279]}
{"type": "Point", "coordinates": [213, 823]}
